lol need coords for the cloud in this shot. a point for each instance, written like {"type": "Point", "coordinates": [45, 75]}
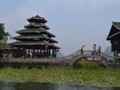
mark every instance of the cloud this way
{"type": "Point", "coordinates": [32, 7]}
{"type": "Point", "coordinates": [78, 4]}
{"type": "Point", "coordinates": [66, 15]}
{"type": "Point", "coordinates": [89, 4]}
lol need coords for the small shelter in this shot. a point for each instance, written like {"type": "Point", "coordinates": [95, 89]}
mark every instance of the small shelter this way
{"type": "Point", "coordinates": [114, 37]}
{"type": "Point", "coordinates": [35, 39]}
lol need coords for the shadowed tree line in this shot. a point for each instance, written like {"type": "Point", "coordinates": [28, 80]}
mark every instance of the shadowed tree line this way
{"type": "Point", "coordinates": [3, 36]}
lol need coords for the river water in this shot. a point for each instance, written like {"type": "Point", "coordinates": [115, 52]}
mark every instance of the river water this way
{"type": "Point", "coordinates": [49, 86]}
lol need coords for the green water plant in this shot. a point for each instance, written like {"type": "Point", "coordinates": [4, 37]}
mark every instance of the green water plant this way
{"type": "Point", "coordinates": [99, 76]}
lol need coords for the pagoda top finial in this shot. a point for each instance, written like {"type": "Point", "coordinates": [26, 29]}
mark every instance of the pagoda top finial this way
{"type": "Point", "coordinates": [37, 18]}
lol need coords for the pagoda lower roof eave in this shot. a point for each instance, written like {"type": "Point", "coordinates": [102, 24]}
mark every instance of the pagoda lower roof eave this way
{"type": "Point", "coordinates": [34, 38]}
{"type": "Point", "coordinates": [33, 44]}
{"type": "Point", "coordinates": [26, 43]}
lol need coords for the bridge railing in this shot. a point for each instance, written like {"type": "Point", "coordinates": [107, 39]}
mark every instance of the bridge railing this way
{"type": "Point", "coordinates": [102, 57]}
{"type": "Point", "coordinates": [75, 54]}
{"type": "Point", "coordinates": [87, 52]}
{"type": "Point", "coordinates": [106, 56]}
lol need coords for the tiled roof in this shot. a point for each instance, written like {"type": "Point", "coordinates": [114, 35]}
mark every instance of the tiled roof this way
{"type": "Point", "coordinates": [32, 44]}
{"type": "Point", "coordinates": [117, 25]}
{"type": "Point", "coordinates": [37, 26]}
{"type": "Point", "coordinates": [34, 37]}
{"type": "Point", "coordinates": [115, 30]}
{"type": "Point", "coordinates": [39, 30]}
{"type": "Point", "coordinates": [35, 33]}
{"type": "Point", "coordinates": [37, 17]}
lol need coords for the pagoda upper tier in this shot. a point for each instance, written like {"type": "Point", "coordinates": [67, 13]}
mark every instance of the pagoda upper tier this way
{"type": "Point", "coordinates": [37, 19]}
{"type": "Point", "coordinates": [36, 22]}
{"type": "Point", "coordinates": [35, 31]}
{"type": "Point", "coordinates": [36, 25]}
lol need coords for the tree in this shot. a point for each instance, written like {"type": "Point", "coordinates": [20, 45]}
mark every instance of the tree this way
{"type": "Point", "coordinates": [3, 36]}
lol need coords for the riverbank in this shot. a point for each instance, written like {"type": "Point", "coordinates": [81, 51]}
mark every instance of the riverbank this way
{"type": "Point", "coordinates": [83, 74]}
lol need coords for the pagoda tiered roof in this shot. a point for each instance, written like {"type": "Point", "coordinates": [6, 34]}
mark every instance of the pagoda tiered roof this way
{"type": "Point", "coordinates": [33, 25]}
{"type": "Point", "coordinates": [33, 45]}
{"type": "Point", "coordinates": [35, 31]}
{"type": "Point", "coordinates": [37, 44]}
{"type": "Point", "coordinates": [35, 40]}
{"type": "Point", "coordinates": [37, 18]}
{"type": "Point", "coordinates": [34, 37]}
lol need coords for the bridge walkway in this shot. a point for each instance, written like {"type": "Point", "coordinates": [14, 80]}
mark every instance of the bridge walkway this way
{"type": "Point", "coordinates": [104, 59]}
{"type": "Point", "coordinates": [68, 60]}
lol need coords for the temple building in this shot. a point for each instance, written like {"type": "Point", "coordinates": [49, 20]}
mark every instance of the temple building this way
{"type": "Point", "coordinates": [35, 39]}
{"type": "Point", "coordinates": [114, 37]}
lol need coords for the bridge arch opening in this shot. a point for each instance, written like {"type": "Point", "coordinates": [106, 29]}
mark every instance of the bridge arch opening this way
{"type": "Point", "coordinates": [85, 63]}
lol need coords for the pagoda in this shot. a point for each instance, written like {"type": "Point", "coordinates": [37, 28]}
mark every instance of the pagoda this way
{"type": "Point", "coordinates": [36, 39]}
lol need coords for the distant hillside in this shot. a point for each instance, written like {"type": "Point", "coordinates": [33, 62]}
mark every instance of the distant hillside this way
{"type": "Point", "coordinates": [108, 51]}
{"type": "Point", "coordinates": [60, 54]}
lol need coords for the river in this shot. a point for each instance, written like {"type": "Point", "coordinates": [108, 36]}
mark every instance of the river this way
{"type": "Point", "coordinates": [50, 86]}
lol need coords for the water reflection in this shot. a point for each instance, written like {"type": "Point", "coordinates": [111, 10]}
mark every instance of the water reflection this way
{"type": "Point", "coordinates": [49, 86]}
{"type": "Point", "coordinates": [7, 86]}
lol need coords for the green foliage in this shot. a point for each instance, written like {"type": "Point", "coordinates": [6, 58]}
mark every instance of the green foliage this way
{"type": "Point", "coordinates": [95, 76]}
{"type": "Point", "coordinates": [3, 36]}
{"type": "Point", "coordinates": [86, 64]}
{"type": "Point", "coordinates": [2, 32]}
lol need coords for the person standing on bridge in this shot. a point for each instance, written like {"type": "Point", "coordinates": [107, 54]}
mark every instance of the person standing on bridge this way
{"type": "Point", "coordinates": [99, 50]}
{"type": "Point", "coordinates": [94, 49]}
{"type": "Point", "coordinates": [81, 49]}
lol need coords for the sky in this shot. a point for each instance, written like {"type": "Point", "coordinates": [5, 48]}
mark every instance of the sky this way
{"type": "Point", "coordinates": [74, 22]}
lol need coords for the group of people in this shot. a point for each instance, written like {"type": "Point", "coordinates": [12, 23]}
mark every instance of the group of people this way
{"type": "Point", "coordinates": [28, 53]}
{"type": "Point", "coordinates": [95, 50]}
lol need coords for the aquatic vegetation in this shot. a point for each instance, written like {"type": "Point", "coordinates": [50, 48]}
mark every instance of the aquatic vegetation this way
{"type": "Point", "coordinates": [84, 74]}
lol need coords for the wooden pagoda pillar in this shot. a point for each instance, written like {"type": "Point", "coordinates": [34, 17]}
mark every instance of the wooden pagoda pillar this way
{"type": "Point", "coordinates": [53, 52]}
{"type": "Point", "coordinates": [49, 52]}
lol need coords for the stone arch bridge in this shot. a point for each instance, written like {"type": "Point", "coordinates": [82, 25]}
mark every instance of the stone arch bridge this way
{"type": "Point", "coordinates": [69, 60]}
{"type": "Point", "coordinates": [102, 58]}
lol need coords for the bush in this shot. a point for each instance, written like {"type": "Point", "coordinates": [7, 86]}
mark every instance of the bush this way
{"type": "Point", "coordinates": [86, 64]}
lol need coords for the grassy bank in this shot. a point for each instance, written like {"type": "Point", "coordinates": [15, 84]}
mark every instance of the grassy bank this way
{"type": "Point", "coordinates": [83, 73]}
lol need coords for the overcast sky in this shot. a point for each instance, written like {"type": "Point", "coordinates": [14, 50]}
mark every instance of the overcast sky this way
{"type": "Point", "coordinates": [74, 22]}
